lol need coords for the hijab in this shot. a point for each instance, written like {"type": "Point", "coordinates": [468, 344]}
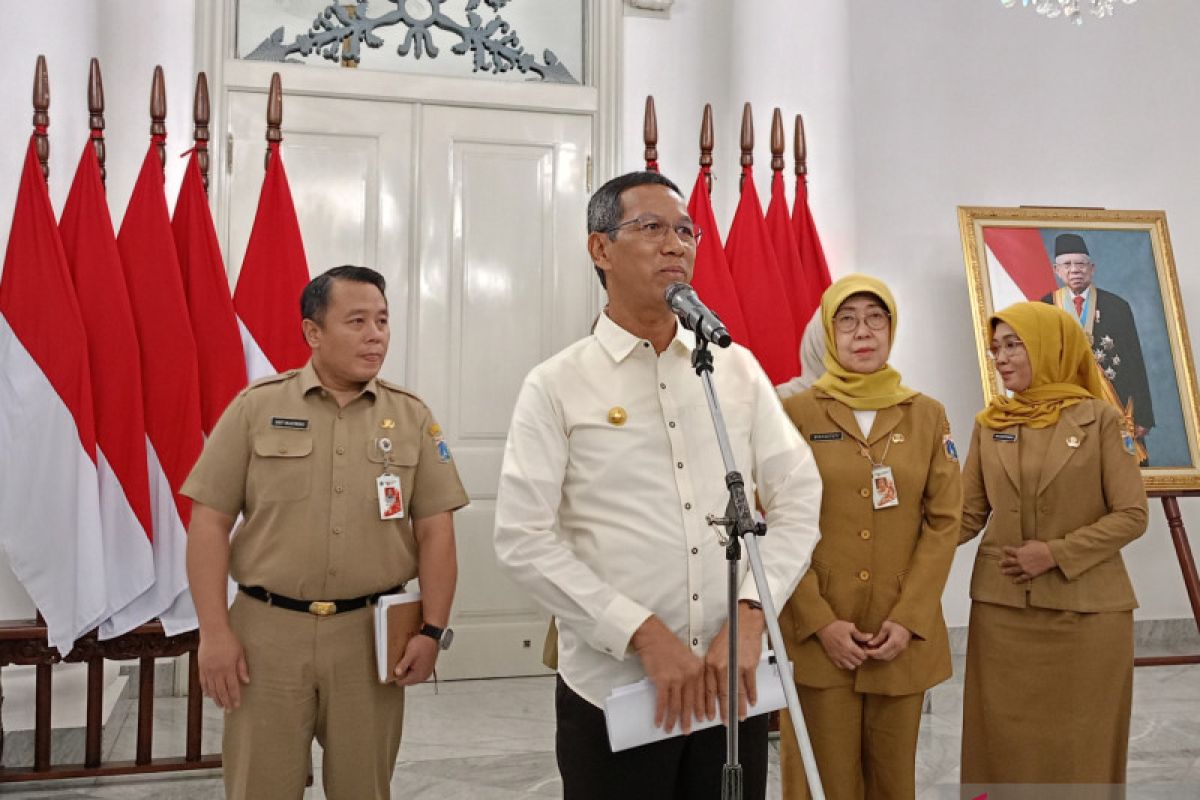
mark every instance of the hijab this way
{"type": "Point", "coordinates": [880, 389]}
{"type": "Point", "coordinates": [1064, 371]}
{"type": "Point", "coordinates": [812, 358]}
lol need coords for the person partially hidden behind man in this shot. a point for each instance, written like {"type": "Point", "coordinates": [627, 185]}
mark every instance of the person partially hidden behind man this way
{"type": "Point", "coordinates": [305, 457]}
{"type": "Point", "coordinates": [610, 468]}
{"type": "Point", "coordinates": [1108, 322]}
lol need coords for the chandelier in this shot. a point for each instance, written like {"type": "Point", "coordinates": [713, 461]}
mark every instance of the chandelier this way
{"type": "Point", "coordinates": [1071, 10]}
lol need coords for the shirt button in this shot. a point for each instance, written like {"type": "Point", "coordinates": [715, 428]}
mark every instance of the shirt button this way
{"type": "Point", "coordinates": [679, 464]}
{"type": "Point", "coordinates": [687, 506]}
{"type": "Point", "coordinates": [695, 641]}
{"type": "Point", "coordinates": [695, 550]}
{"type": "Point", "coordinates": [341, 414]}
{"type": "Point", "coordinates": [865, 492]}
{"type": "Point", "coordinates": [337, 489]}
{"type": "Point", "coordinates": [695, 597]}
{"type": "Point", "coordinates": [341, 450]}
{"type": "Point", "coordinates": [333, 573]}
{"type": "Point", "coordinates": [337, 531]}
{"type": "Point", "coordinates": [282, 450]}
{"type": "Point", "coordinates": [864, 576]}
{"type": "Point", "coordinates": [670, 424]}
{"type": "Point", "coordinates": [865, 534]}
{"type": "Point", "coordinates": [645, 344]}
{"type": "Point", "coordinates": [662, 386]}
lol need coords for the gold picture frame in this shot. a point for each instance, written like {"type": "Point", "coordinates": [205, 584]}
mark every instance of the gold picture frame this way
{"type": "Point", "coordinates": [1131, 308]}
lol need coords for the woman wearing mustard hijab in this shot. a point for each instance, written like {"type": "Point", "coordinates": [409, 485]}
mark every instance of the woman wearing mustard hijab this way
{"type": "Point", "coordinates": [864, 627]}
{"type": "Point", "coordinates": [1051, 474]}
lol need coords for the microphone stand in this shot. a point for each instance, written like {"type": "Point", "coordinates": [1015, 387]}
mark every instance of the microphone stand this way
{"type": "Point", "coordinates": [739, 526]}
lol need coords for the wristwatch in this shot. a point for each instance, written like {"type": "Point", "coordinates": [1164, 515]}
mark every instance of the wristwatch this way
{"type": "Point", "coordinates": [443, 636]}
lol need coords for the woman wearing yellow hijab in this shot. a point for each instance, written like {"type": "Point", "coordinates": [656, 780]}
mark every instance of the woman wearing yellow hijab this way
{"type": "Point", "coordinates": [1051, 473]}
{"type": "Point", "coordinates": [864, 627]}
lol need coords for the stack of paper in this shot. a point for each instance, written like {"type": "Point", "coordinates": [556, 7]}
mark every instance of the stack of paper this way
{"type": "Point", "coordinates": [629, 710]}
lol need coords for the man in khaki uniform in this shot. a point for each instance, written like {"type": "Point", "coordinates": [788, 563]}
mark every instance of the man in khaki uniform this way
{"type": "Point", "coordinates": [305, 457]}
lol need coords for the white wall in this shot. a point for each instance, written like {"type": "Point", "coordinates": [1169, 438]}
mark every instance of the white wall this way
{"type": "Point", "coordinates": [915, 108]}
{"type": "Point", "coordinates": [129, 37]}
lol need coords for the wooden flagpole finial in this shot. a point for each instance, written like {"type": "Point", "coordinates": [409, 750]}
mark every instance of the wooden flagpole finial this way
{"type": "Point", "coordinates": [158, 116]}
{"type": "Point", "coordinates": [41, 114]}
{"type": "Point", "coordinates": [274, 115]}
{"type": "Point", "coordinates": [200, 117]}
{"type": "Point", "coordinates": [800, 148]}
{"type": "Point", "coordinates": [96, 114]}
{"type": "Point", "coordinates": [777, 163]}
{"type": "Point", "coordinates": [650, 134]}
{"type": "Point", "coordinates": [706, 145]}
{"type": "Point", "coordinates": [747, 159]}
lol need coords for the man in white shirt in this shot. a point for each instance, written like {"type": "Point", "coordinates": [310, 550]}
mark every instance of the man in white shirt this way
{"type": "Point", "coordinates": [611, 466]}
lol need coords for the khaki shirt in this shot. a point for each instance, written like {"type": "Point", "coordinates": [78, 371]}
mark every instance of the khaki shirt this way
{"type": "Point", "coordinates": [873, 565]}
{"type": "Point", "coordinates": [1088, 504]}
{"type": "Point", "coordinates": [303, 471]}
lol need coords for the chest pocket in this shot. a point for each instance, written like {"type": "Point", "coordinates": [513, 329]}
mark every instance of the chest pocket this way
{"type": "Point", "coordinates": [402, 462]}
{"type": "Point", "coordinates": [283, 465]}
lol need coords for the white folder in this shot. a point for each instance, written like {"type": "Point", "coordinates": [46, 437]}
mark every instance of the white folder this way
{"type": "Point", "coordinates": [629, 710]}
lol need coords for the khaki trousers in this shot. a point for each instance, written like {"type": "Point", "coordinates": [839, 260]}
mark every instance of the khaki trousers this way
{"type": "Point", "coordinates": [310, 676]}
{"type": "Point", "coordinates": [865, 744]}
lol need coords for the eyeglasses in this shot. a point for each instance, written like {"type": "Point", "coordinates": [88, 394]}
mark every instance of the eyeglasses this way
{"type": "Point", "coordinates": [653, 229]}
{"type": "Point", "coordinates": [1079, 263]}
{"type": "Point", "coordinates": [1009, 347]}
{"type": "Point", "coordinates": [847, 322]}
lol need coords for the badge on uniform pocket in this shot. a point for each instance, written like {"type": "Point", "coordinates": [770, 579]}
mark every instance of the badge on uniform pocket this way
{"type": "Point", "coordinates": [391, 501]}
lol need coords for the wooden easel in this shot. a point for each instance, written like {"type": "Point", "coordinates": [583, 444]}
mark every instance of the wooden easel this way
{"type": "Point", "coordinates": [1187, 565]}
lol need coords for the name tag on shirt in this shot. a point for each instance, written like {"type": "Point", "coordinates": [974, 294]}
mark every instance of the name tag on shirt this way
{"type": "Point", "coordinates": [832, 436]}
{"type": "Point", "coordinates": [1004, 437]}
{"type": "Point", "coordinates": [285, 422]}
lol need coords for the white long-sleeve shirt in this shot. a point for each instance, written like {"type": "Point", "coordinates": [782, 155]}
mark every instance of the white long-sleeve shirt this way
{"type": "Point", "coordinates": [612, 464]}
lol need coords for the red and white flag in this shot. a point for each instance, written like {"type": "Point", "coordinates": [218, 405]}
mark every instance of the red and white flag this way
{"type": "Point", "coordinates": [170, 381]}
{"type": "Point", "coordinates": [787, 252]}
{"type": "Point", "coordinates": [221, 364]}
{"type": "Point", "coordinates": [126, 522]}
{"type": "Point", "coordinates": [711, 278]}
{"type": "Point", "coordinates": [274, 274]}
{"type": "Point", "coordinates": [1025, 272]}
{"type": "Point", "coordinates": [49, 492]}
{"type": "Point", "coordinates": [812, 255]}
{"type": "Point", "coordinates": [760, 288]}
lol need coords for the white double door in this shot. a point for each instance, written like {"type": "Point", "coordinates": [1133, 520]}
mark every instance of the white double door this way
{"type": "Point", "coordinates": [476, 217]}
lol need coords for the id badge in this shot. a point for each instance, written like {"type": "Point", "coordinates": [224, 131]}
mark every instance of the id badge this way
{"type": "Point", "coordinates": [391, 502]}
{"type": "Point", "coordinates": [883, 488]}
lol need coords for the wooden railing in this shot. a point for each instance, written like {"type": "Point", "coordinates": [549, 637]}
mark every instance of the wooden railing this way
{"type": "Point", "coordinates": [23, 642]}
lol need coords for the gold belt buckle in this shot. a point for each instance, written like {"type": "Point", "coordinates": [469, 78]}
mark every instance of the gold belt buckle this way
{"type": "Point", "coordinates": [322, 608]}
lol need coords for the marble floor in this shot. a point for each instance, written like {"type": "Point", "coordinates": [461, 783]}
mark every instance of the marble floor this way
{"type": "Point", "coordinates": [494, 740]}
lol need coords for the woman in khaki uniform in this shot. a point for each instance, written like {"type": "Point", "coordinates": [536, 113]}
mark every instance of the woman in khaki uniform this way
{"type": "Point", "coordinates": [1051, 473]}
{"type": "Point", "coordinates": [864, 627]}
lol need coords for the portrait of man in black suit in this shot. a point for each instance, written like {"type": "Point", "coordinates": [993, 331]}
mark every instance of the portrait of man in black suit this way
{"type": "Point", "coordinates": [1108, 321]}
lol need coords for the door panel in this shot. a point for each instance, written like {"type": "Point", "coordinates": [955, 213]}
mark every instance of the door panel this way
{"type": "Point", "coordinates": [504, 283]}
{"type": "Point", "coordinates": [348, 165]}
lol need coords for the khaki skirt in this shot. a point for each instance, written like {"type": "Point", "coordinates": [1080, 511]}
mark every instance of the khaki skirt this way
{"type": "Point", "coordinates": [1047, 697]}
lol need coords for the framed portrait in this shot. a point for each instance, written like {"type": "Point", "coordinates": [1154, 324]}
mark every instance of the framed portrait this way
{"type": "Point", "coordinates": [1115, 272]}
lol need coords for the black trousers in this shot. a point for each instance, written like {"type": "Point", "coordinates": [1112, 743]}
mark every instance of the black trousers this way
{"type": "Point", "coordinates": [680, 768]}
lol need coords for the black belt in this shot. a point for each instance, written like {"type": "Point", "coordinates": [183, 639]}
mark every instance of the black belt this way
{"type": "Point", "coordinates": [321, 608]}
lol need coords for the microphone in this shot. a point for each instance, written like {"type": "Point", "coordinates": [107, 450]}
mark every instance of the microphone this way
{"type": "Point", "coordinates": [696, 316]}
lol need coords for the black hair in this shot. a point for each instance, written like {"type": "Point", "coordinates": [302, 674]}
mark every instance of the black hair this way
{"type": "Point", "coordinates": [604, 209]}
{"type": "Point", "coordinates": [314, 300]}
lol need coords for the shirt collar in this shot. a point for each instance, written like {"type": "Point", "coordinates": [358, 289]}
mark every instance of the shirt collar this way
{"type": "Point", "coordinates": [619, 343]}
{"type": "Point", "coordinates": [310, 381]}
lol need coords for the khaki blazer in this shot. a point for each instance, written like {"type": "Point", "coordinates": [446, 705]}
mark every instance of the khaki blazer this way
{"type": "Point", "coordinates": [1090, 504]}
{"type": "Point", "coordinates": [875, 565]}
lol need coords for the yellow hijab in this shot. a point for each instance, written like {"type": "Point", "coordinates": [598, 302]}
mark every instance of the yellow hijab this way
{"type": "Point", "coordinates": [1064, 369]}
{"type": "Point", "coordinates": [880, 389]}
